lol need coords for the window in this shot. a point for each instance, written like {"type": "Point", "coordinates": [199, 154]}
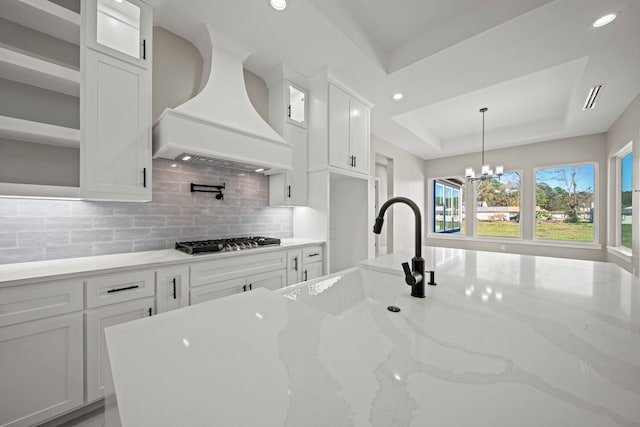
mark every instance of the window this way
{"type": "Point", "coordinates": [565, 203]}
{"type": "Point", "coordinates": [626, 203]}
{"type": "Point", "coordinates": [498, 206]}
{"type": "Point", "coordinates": [447, 206]}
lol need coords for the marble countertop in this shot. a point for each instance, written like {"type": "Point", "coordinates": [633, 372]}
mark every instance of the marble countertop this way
{"type": "Point", "coordinates": [30, 272]}
{"type": "Point", "coordinates": [503, 340]}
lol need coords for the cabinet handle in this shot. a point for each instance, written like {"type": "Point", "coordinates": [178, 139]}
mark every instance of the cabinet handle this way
{"type": "Point", "coordinates": [250, 286]}
{"type": "Point", "coordinates": [295, 264]}
{"type": "Point", "coordinates": [111, 291]}
{"type": "Point", "coordinates": [144, 177]}
{"type": "Point", "coordinates": [174, 289]}
{"type": "Point", "coordinates": [315, 254]}
{"type": "Point", "coordinates": [289, 191]}
{"type": "Point", "coordinates": [144, 49]}
{"type": "Point", "coordinates": [150, 312]}
{"type": "Point", "coordinates": [289, 111]}
{"type": "Point", "coordinates": [355, 161]}
{"type": "Point", "coordinates": [244, 288]}
{"type": "Point", "coordinates": [305, 275]}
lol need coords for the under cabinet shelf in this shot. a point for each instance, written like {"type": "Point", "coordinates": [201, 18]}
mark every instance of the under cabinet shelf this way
{"type": "Point", "coordinates": [33, 71]}
{"type": "Point", "coordinates": [43, 16]}
{"type": "Point", "coordinates": [38, 191]}
{"type": "Point", "coordinates": [41, 133]}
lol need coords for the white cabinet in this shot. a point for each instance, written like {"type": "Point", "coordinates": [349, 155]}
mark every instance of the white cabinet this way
{"type": "Point", "coordinates": [40, 107]}
{"type": "Point", "coordinates": [172, 288]}
{"type": "Point", "coordinates": [289, 188]}
{"type": "Point", "coordinates": [312, 271]}
{"type": "Point", "coordinates": [41, 351]}
{"type": "Point", "coordinates": [304, 264]}
{"type": "Point", "coordinates": [97, 320]}
{"type": "Point", "coordinates": [348, 132]}
{"type": "Point", "coordinates": [288, 115]}
{"type": "Point", "coordinates": [270, 280]}
{"type": "Point", "coordinates": [120, 28]}
{"type": "Point", "coordinates": [116, 130]}
{"type": "Point", "coordinates": [294, 267]}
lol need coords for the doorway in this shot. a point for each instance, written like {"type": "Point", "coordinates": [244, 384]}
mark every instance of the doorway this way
{"type": "Point", "coordinates": [383, 191]}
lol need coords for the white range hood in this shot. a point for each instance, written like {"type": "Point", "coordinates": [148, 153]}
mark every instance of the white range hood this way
{"type": "Point", "coordinates": [220, 123]}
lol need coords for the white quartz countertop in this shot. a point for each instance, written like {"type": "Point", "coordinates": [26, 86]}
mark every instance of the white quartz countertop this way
{"type": "Point", "coordinates": [13, 274]}
{"type": "Point", "coordinates": [503, 340]}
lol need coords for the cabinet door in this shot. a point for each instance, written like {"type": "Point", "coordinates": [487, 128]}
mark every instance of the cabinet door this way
{"type": "Point", "coordinates": [98, 368]}
{"type": "Point", "coordinates": [116, 129]}
{"type": "Point", "coordinates": [297, 105]}
{"type": "Point", "coordinates": [121, 28]}
{"type": "Point", "coordinates": [41, 367]}
{"type": "Point", "coordinates": [271, 280]}
{"type": "Point", "coordinates": [172, 288]}
{"type": "Point", "coordinates": [297, 177]}
{"type": "Point", "coordinates": [359, 135]}
{"type": "Point", "coordinates": [339, 151]}
{"type": "Point", "coordinates": [218, 290]}
{"type": "Point", "coordinates": [294, 267]}
{"type": "Point", "coordinates": [311, 271]}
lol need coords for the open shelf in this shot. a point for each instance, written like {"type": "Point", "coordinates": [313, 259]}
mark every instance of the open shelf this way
{"type": "Point", "coordinates": [38, 191]}
{"type": "Point", "coordinates": [41, 133]}
{"type": "Point", "coordinates": [33, 71]}
{"type": "Point", "coordinates": [43, 16]}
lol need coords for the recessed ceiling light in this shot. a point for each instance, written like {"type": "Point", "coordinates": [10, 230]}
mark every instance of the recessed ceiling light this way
{"type": "Point", "coordinates": [278, 4]}
{"type": "Point", "coordinates": [119, 1]}
{"type": "Point", "coordinates": [604, 20]}
{"type": "Point", "coordinates": [185, 158]}
{"type": "Point", "coordinates": [260, 170]}
{"type": "Point", "coordinates": [397, 96]}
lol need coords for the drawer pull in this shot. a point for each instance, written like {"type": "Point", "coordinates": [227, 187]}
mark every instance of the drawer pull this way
{"type": "Point", "coordinates": [305, 275]}
{"type": "Point", "coordinates": [295, 265]}
{"type": "Point", "coordinates": [111, 291]}
{"type": "Point", "coordinates": [316, 254]}
{"type": "Point", "coordinates": [244, 288]}
{"type": "Point", "coordinates": [174, 289]}
{"type": "Point", "coordinates": [150, 311]}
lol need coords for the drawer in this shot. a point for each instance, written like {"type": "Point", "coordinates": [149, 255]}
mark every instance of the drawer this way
{"type": "Point", "coordinates": [233, 267]}
{"type": "Point", "coordinates": [30, 302]}
{"type": "Point", "coordinates": [311, 254]}
{"type": "Point", "coordinates": [119, 287]}
{"type": "Point", "coordinates": [218, 290]}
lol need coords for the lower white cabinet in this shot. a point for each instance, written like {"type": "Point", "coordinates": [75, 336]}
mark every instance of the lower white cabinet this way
{"type": "Point", "coordinates": [311, 271]}
{"type": "Point", "coordinates": [271, 280]}
{"type": "Point", "coordinates": [294, 267]}
{"type": "Point", "coordinates": [172, 288]}
{"type": "Point", "coordinates": [97, 320]}
{"type": "Point", "coordinates": [41, 369]}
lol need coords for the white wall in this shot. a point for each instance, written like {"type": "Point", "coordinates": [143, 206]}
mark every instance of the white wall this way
{"type": "Point", "coordinates": [408, 181]}
{"type": "Point", "coordinates": [589, 148]}
{"type": "Point", "coordinates": [626, 129]}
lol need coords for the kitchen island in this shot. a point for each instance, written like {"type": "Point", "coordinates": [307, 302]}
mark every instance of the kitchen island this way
{"type": "Point", "coordinates": [503, 340]}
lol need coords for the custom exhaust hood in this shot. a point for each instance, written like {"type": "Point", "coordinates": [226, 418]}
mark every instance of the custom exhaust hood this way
{"type": "Point", "coordinates": [219, 126]}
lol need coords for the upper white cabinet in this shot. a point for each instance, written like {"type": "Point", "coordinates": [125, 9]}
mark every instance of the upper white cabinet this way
{"type": "Point", "coordinates": [40, 108]}
{"type": "Point", "coordinates": [348, 132]}
{"type": "Point", "coordinates": [120, 28]}
{"type": "Point", "coordinates": [288, 115]}
{"type": "Point", "coordinates": [116, 101]}
{"type": "Point", "coordinates": [116, 130]}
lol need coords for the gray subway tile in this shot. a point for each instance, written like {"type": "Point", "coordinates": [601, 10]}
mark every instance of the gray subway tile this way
{"type": "Point", "coordinates": [21, 224]}
{"type": "Point", "coordinates": [132, 233]}
{"type": "Point", "coordinates": [68, 251]}
{"type": "Point", "coordinates": [9, 256]}
{"type": "Point", "coordinates": [41, 239]}
{"type": "Point", "coordinates": [112, 248]}
{"type": "Point", "coordinates": [150, 245]}
{"type": "Point", "coordinates": [113, 222]}
{"type": "Point", "coordinates": [91, 236]}
{"type": "Point", "coordinates": [8, 240]}
{"type": "Point", "coordinates": [149, 221]}
{"type": "Point", "coordinates": [8, 207]}
{"type": "Point", "coordinates": [82, 208]}
{"type": "Point", "coordinates": [44, 208]}
{"type": "Point", "coordinates": [69, 223]}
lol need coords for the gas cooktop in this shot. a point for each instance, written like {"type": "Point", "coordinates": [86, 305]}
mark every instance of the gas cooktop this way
{"type": "Point", "coordinates": [226, 245]}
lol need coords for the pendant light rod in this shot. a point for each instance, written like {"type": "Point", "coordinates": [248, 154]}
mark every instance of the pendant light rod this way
{"type": "Point", "coordinates": [483, 110]}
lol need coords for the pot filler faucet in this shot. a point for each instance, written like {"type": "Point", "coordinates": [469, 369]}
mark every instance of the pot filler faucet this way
{"type": "Point", "coordinates": [414, 276]}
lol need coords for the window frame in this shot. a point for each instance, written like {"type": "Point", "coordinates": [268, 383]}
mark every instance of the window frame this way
{"type": "Point", "coordinates": [453, 187]}
{"type": "Point", "coordinates": [596, 205]}
{"type": "Point", "coordinates": [475, 211]}
{"type": "Point", "coordinates": [623, 152]}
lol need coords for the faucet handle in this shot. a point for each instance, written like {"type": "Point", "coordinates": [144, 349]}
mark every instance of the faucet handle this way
{"type": "Point", "coordinates": [408, 274]}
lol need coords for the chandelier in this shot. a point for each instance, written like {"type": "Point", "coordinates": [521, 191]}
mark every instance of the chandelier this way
{"type": "Point", "coordinates": [487, 172]}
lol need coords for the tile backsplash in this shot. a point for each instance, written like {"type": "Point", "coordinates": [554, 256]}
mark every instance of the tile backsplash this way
{"type": "Point", "coordinates": [33, 230]}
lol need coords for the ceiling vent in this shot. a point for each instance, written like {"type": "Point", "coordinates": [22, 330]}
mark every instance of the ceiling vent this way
{"type": "Point", "coordinates": [590, 103]}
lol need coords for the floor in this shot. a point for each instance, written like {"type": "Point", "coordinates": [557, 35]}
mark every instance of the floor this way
{"type": "Point", "coordinates": [94, 418]}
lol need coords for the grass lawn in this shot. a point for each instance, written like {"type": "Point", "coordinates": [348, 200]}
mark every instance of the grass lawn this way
{"type": "Point", "coordinates": [626, 235]}
{"type": "Point", "coordinates": [549, 231]}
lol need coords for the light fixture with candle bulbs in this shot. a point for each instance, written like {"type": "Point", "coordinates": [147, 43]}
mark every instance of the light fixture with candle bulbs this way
{"type": "Point", "coordinates": [486, 171]}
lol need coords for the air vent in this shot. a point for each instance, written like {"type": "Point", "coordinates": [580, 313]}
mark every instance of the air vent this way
{"type": "Point", "coordinates": [590, 103]}
{"type": "Point", "coordinates": [221, 163]}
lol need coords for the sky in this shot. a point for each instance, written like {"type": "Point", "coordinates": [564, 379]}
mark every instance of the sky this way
{"type": "Point", "coordinates": [554, 176]}
{"type": "Point", "coordinates": [626, 176]}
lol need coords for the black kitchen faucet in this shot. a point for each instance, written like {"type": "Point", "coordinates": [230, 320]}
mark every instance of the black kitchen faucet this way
{"type": "Point", "coordinates": [414, 276]}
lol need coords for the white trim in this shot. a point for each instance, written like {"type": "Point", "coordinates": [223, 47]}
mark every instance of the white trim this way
{"type": "Point", "coordinates": [620, 252]}
{"type": "Point", "coordinates": [514, 240]}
